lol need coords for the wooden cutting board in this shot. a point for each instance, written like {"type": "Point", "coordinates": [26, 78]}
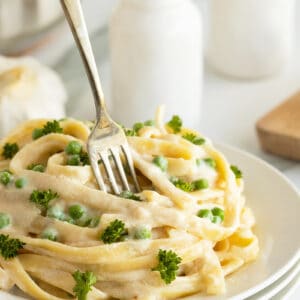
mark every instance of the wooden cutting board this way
{"type": "Point", "coordinates": [279, 130]}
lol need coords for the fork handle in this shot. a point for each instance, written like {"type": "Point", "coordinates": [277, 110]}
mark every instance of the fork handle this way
{"type": "Point", "coordinates": [75, 18]}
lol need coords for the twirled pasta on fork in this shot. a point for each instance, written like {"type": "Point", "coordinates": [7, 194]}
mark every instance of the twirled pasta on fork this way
{"type": "Point", "coordinates": [62, 237]}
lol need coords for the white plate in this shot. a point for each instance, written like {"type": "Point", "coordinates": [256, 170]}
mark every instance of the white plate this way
{"type": "Point", "coordinates": [276, 205]}
{"type": "Point", "coordinates": [289, 292]}
{"type": "Point", "coordinates": [279, 286]}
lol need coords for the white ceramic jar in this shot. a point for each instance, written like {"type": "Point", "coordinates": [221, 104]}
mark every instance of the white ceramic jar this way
{"type": "Point", "coordinates": [251, 38]}
{"type": "Point", "coordinates": [156, 57]}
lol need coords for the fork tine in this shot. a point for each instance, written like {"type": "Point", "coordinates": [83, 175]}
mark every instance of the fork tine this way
{"type": "Point", "coordinates": [119, 165]}
{"type": "Point", "coordinates": [109, 171]}
{"type": "Point", "coordinates": [97, 173]}
{"type": "Point", "coordinates": [127, 154]}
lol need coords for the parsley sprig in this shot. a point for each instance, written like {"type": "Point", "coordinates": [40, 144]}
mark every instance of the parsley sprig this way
{"type": "Point", "coordinates": [42, 198]}
{"type": "Point", "coordinates": [9, 248]}
{"type": "Point", "coordinates": [175, 124]}
{"type": "Point", "coordinates": [49, 127]}
{"type": "Point", "coordinates": [84, 282]}
{"type": "Point", "coordinates": [115, 232]}
{"type": "Point", "coordinates": [9, 150]}
{"type": "Point", "coordinates": [194, 139]}
{"type": "Point", "coordinates": [183, 185]}
{"type": "Point", "coordinates": [168, 262]}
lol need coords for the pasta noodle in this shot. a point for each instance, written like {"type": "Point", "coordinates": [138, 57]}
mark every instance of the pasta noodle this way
{"type": "Point", "coordinates": [192, 205]}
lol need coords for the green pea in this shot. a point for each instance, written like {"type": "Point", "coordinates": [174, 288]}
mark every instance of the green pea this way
{"type": "Point", "coordinates": [210, 162]}
{"type": "Point", "coordinates": [38, 168]}
{"type": "Point", "coordinates": [50, 234]}
{"type": "Point", "coordinates": [142, 233]}
{"type": "Point", "coordinates": [55, 212]}
{"type": "Point", "coordinates": [161, 162]}
{"type": "Point", "coordinates": [199, 141]}
{"type": "Point", "coordinates": [205, 213]}
{"type": "Point", "coordinates": [199, 162]}
{"type": "Point", "coordinates": [217, 219]}
{"type": "Point", "coordinates": [149, 123]}
{"type": "Point", "coordinates": [137, 126]}
{"type": "Point", "coordinates": [76, 211]}
{"type": "Point", "coordinates": [5, 177]}
{"type": "Point", "coordinates": [200, 184]}
{"type": "Point", "coordinates": [73, 147]}
{"type": "Point", "coordinates": [4, 220]}
{"type": "Point", "coordinates": [37, 133]}
{"type": "Point", "coordinates": [73, 160]}
{"type": "Point", "coordinates": [20, 183]}
{"type": "Point", "coordinates": [216, 211]}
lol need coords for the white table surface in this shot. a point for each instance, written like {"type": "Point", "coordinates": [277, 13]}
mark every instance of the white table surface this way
{"type": "Point", "coordinates": [230, 108]}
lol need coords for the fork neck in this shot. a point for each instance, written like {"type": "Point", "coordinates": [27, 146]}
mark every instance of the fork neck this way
{"type": "Point", "coordinates": [75, 18]}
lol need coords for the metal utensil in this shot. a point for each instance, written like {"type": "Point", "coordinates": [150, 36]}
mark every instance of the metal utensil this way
{"type": "Point", "coordinates": [107, 138]}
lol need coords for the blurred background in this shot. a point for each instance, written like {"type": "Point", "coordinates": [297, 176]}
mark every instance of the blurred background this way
{"type": "Point", "coordinates": [228, 68]}
{"type": "Point", "coordinates": [222, 65]}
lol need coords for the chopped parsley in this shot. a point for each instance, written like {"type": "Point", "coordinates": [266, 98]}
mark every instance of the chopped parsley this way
{"type": "Point", "coordinates": [84, 158]}
{"type": "Point", "coordinates": [237, 172]}
{"type": "Point", "coordinates": [49, 127]}
{"type": "Point", "coordinates": [42, 198]}
{"type": "Point", "coordinates": [115, 232]}
{"type": "Point", "coordinates": [190, 186]}
{"type": "Point", "coordinates": [84, 282]}
{"type": "Point", "coordinates": [9, 248]}
{"type": "Point", "coordinates": [130, 195]}
{"type": "Point", "coordinates": [168, 262]}
{"type": "Point", "coordinates": [183, 185]}
{"type": "Point", "coordinates": [175, 124]}
{"type": "Point", "coordinates": [194, 139]}
{"type": "Point", "coordinates": [9, 150]}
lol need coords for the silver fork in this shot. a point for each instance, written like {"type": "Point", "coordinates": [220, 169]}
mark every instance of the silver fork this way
{"type": "Point", "coordinates": [107, 138]}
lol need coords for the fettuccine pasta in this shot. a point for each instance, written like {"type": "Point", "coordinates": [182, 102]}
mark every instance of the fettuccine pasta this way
{"type": "Point", "coordinates": [191, 208]}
